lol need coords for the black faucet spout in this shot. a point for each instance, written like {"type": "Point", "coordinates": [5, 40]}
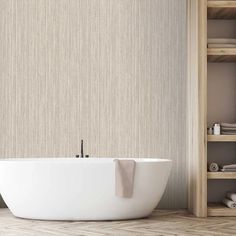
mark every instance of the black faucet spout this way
{"type": "Point", "coordinates": [82, 148]}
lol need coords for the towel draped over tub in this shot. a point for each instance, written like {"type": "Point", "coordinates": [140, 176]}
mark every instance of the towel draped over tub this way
{"type": "Point", "coordinates": [124, 178]}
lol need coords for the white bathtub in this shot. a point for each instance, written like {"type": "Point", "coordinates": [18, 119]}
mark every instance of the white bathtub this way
{"type": "Point", "coordinates": [79, 189]}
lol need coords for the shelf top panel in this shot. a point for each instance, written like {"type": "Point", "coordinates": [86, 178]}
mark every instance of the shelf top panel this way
{"type": "Point", "coordinates": [221, 9]}
{"type": "Point", "coordinates": [218, 209]}
{"type": "Point", "coordinates": [221, 138]}
{"type": "Point", "coordinates": [221, 54]}
{"type": "Point", "coordinates": [221, 175]}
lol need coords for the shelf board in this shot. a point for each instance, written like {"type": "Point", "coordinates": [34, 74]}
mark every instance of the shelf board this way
{"type": "Point", "coordinates": [221, 9]}
{"type": "Point", "coordinates": [221, 54]}
{"type": "Point", "coordinates": [221, 138]}
{"type": "Point", "coordinates": [218, 209]}
{"type": "Point", "coordinates": [221, 175]}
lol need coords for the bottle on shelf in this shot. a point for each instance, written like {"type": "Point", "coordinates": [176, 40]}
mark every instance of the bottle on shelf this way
{"type": "Point", "coordinates": [216, 129]}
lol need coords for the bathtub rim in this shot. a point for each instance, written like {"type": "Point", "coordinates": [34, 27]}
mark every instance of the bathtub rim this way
{"type": "Point", "coordinates": [84, 160]}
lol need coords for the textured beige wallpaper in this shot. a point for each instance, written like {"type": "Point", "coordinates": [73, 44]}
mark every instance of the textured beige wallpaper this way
{"type": "Point", "coordinates": [111, 72]}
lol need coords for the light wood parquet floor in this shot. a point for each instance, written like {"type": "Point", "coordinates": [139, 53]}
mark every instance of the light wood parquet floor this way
{"type": "Point", "coordinates": [161, 222]}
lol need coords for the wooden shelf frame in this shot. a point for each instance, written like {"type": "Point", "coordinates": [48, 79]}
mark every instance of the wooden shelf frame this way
{"type": "Point", "coordinates": [221, 54]}
{"type": "Point", "coordinates": [198, 57]}
{"type": "Point", "coordinates": [218, 209]}
{"type": "Point", "coordinates": [221, 175]}
{"type": "Point", "coordinates": [221, 138]}
{"type": "Point", "coordinates": [197, 107]}
{"type": "Point", "coordinates": [221, 10]}
{"type": "Point", "coordinates": [199, 11]}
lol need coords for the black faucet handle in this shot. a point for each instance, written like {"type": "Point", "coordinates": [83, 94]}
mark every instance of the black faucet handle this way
{"type": "Point", "coordinates": [87, 156]}
{"type": "Point", "coordinates": [77, 156]}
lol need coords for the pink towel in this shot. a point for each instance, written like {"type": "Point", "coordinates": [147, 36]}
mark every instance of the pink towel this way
{"type": "Point", "coordinates": [124, 181]}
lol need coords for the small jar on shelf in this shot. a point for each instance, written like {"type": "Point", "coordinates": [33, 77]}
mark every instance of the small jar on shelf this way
{"type": "Point", "coordinates": [216, 129]}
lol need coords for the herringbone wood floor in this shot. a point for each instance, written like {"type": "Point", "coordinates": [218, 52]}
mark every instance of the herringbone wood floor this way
{"type": "Point", "coordinates": [159, 223]}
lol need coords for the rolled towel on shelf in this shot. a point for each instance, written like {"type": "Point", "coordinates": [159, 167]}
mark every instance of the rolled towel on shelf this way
{"type": "Point", "coordinates": [231, 196]}
{"type": "Point", "coordinates": [213, 167]}
{"type": "Point", "coordinates": [229, 203]}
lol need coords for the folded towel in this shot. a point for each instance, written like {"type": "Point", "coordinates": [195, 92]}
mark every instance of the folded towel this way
{"type": "Point", "coordinates": [231, 196]}
{"type": "Point", "coordinates": [221, 40]}
{"type": "Point", "coordinates": [124, 177]}
{"type": "Point", "coordinates": [228, 133]}
{"type": "Point", "coordinates": [229, 125]}
{"type": "Point", "coordinates": [229, 167]}
{"type": "Point", "coordinates": [228, 170]}
{"type": "Point", "coordinates": [221, 45]}
{"type": "Point", "coordinates": [229, 203]}
{"type": "Point", "coordinates": [213, 167]}
{"type": "Point", "coordinates": [228, 128]}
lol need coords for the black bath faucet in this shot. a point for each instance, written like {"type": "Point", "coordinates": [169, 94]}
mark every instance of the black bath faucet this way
{"type": "Point", "coordinates": [82, 150]}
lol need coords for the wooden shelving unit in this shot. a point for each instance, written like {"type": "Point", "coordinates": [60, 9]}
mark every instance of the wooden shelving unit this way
{"type": "Point", "coordinates": [221, 9]}
{"type": "Point", "coordinates": [218, 209]}
{"type": "Point", "coordinates": [221, 175]}
{"type": "Point", "coordinates": [211, 84]}
{"type": "Point", "coordinates": [221, 54]}
{"type": "Point", "coordinates": [221, 138]}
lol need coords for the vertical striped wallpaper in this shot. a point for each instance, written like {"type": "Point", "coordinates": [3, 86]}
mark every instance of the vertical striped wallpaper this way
{"type": "Point", "coordinates": [111, 72]}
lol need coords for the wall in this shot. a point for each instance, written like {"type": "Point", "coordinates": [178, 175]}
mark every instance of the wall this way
{"type": "Point", "coordinates": [110, 72]}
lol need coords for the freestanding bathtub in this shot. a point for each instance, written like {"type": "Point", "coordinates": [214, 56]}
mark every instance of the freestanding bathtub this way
{"type": "Point", "coordinates": [79, 189]}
